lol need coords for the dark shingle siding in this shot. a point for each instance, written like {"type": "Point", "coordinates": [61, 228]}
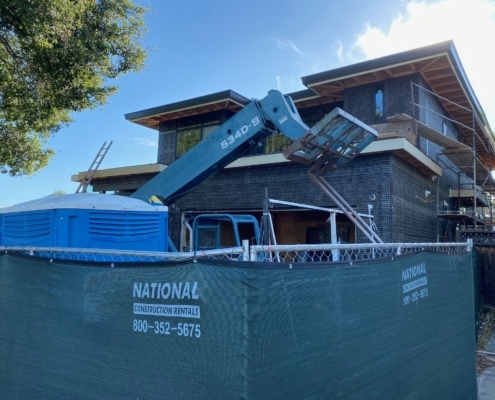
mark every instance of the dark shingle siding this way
{"type": "Point", "coordinates": [243, 188]}
{"type": "Point", "coordinates": [167, 139]}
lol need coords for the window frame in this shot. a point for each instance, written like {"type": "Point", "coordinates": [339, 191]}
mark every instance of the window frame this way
{"type": "Point", "coordinates": [379, 102]}
{"type": "Point", "coordinates": [205, 129]}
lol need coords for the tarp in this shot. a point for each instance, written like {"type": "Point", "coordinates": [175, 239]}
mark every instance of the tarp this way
{"type": "Point", "coordinates": [390, 329]}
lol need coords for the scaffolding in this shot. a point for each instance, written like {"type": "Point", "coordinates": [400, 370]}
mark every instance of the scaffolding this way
{"type": "Point", "coordinates": [470, 197]}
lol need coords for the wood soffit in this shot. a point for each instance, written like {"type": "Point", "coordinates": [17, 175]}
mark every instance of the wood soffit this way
{"type": "Point", "coordinates": [438, 71]}
{"type": "Point", "coordinates": [153, 121]}
{"type": "Point", "coordinates": [442, 79]}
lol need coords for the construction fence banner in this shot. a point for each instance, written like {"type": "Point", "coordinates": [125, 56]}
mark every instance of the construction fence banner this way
{"type": "Point", "coordinates": [400, 328]}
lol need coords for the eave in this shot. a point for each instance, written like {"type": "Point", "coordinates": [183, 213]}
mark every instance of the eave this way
{"type": "Point", "coordinates": [406, 151]}
{"type": "Point", "coordinates": [440, 67]}
{"type": "Point", "coordinates": [151, 117]}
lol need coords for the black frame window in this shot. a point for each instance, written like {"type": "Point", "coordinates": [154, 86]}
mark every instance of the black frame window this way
{"type": "Point", "coordinates": [190, 136]}
{"type": "Point", "coordinates": [276, 143]}
{"type": "Point", "coordinates": [379, 102]}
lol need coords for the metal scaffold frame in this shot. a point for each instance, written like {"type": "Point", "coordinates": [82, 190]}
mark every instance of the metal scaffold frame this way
{"type": "Point", "coordinates": [476, 163]}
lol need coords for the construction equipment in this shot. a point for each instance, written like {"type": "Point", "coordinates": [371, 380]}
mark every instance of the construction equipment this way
{"type": "Point", "coordinates": [333, 141]}
{"type": "Point", "coordinates": [83, 185]}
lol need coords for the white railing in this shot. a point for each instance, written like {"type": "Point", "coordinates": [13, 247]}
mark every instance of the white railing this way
{"type": "Point", "coordinates": [281, 253]}
{"type": "Point", "coordinates": [349, 252]}
{"type": "Point", "coordinates": [118, 256]}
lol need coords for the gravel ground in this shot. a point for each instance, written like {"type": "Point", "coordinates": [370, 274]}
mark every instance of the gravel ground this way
{"type": "Point", "coordinates": [485, 357]}
{"type": "Point", "coordinates": [483, 362]}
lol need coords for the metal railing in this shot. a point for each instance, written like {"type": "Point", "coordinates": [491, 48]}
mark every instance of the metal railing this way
{"type": "Point", "coordinates": [349, 252]}
{"type": "Point", "coordinates": [119, 256]}
{"type": "Point", "coordinates": [311, 253]}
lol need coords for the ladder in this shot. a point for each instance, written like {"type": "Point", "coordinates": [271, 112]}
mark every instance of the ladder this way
{"type": "Point", "coordinates": [83, 186]}
{"type": "Point", "coordinates": [267, 231]}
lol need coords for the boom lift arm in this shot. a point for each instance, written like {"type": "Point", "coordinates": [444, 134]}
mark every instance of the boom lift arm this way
{"type": "Point", "coordinates": [227, 143]}
{"type": "Point", "coordinates": [333, 141]}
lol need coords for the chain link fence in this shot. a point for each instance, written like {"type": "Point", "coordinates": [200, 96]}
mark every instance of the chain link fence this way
{"type": "Point", "coordinates": [120, 256]}
{"type": "Point", "coordinates": [281, 253]}
{"type": "Point", "coordinates": [349, 252]}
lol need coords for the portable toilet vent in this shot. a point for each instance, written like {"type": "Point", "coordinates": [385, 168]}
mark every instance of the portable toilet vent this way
{"type": "Point", "coordinates": [86, 220]}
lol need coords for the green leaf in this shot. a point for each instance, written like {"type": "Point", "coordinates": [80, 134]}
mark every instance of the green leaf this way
{"type": "Point", "coordinates": [58, 57]}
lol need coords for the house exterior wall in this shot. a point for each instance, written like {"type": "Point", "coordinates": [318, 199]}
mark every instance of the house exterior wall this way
{"type": "Point", "coordinates": [413, 214]}
{"type": "Point", "coordinates": [167, 137]}
{"type": "Point", "coordinates": [359, 101]}
{"type": "Point", "coordinates": [407, 182]}
{"type": "Point", "coordinates": [393, 188]}
{"type": "Point", "coordinates": [430, 112]}
{"type": "Point", "coordinates": [242, 189]}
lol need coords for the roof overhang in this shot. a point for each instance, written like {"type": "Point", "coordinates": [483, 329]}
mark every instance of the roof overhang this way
{"type": "Point", "coordinates": [408, 152]}
{"type": "Point", "coordinates": [442, 70]}
{"type": "Point", "coordinates": [469, 194]}
{"type": "Point", "coordinates": [121, 171]}
{"type": "Point", "coordinates": [151, 117]}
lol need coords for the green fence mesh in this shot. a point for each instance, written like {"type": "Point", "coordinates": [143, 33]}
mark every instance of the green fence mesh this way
{"type": "Point", "coordinates": [394, 329]}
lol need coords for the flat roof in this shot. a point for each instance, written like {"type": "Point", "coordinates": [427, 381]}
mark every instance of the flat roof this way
{"type": "Point", "coordinates": [440, 66]}
{"type": "Point", "coordinates": [225, 100]}
{"type": "Point", "coordinates": [121, 171]}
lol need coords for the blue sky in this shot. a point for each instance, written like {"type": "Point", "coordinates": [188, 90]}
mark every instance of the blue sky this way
{"type": "Point", "coordinates": [201, 47]}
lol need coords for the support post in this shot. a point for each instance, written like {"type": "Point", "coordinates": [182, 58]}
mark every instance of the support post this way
{"type": "Point", "coordinates": [245, 250]}
{"type": "Point", "coordinates": [333, 236]}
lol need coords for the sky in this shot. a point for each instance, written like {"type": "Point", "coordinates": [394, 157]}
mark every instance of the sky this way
{"type": "Point", "coordinates": [201, 47]}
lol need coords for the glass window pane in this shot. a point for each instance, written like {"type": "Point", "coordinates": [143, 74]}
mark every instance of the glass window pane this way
{"type": "Point", "coordinates": [276, 143]}
{"type": "Point", "coordinates": [379, 103]}
{"type": "Point", "coordinates": [208, 129]}
{"type": "Point", "coordinates": [186, 139]}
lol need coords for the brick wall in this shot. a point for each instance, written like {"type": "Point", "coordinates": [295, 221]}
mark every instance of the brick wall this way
{"type": "Point", "coordinates": [167, 139]}
{"type": "Point", "coordinates": [414, 216]}
{"type": "Point", "coordinates": [366, 180]}
{"type": "Point", "coordinates": [394, 188]}
{"type": "Point", "coordinates": [360, 101]}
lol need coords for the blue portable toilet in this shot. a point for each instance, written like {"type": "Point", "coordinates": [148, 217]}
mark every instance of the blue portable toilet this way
{"type": "Point", "coordinates": [86, 220]}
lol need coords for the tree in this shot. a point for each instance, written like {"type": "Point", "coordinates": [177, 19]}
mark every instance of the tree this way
{"type": "Point", "coordinates": [58, 57]}
{"type": "Point", "coordinates": [57, 193]}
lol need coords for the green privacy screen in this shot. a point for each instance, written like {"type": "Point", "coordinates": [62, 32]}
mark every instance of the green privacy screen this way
{"type": "Point", "coordinates": [395, 329]}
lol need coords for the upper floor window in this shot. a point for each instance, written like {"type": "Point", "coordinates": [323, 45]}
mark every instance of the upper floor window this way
{"type": "Point", "coordinates": [379, 102]}
{"type": "Point", "coordinates": [276, 143]}
{"type": "Point", "coordinates": [190, 136]}
{"type": "Point", "coordinates": [272, 144]}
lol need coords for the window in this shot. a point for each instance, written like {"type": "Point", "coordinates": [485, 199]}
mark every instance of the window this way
{"type": "Point", "coordinates": [189, 136]}
{"type": "Point", "coordinates": [379, 102]}
{"type": "Point", "coordinates": [210, 128]}
{"type": "Point", "coordinates": [276, 143]}
{"type": "Point", "coordinates": [186, 139]}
